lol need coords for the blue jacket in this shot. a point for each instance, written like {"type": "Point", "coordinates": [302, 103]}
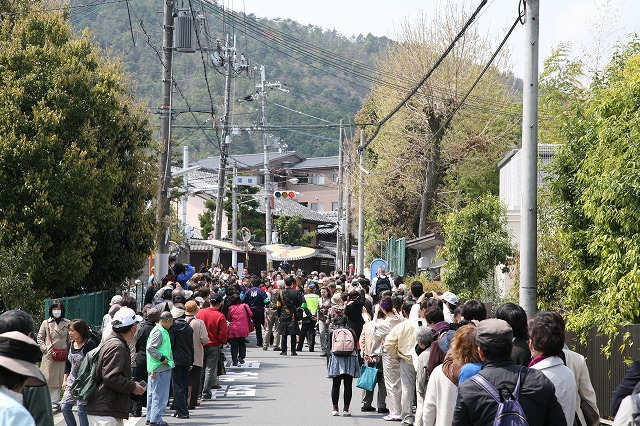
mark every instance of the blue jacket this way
{"type": "Point", "coordinates": [184, 278]}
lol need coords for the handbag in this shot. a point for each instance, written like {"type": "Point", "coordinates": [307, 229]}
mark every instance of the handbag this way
{"type": "Point", "coordinates": [249, 320]}
{"type": "Point", "coordinates": [56, 354]}
{"type": "Point", "coordinates": [222, 370]}
{"type": "Point", "coordinates": [591, 416]}
{"type": "Point", "coordinates": [368, 377]}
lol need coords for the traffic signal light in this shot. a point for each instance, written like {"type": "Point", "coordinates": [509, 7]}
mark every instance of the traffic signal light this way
{"type": "Point", "coordinates": [286, 194]}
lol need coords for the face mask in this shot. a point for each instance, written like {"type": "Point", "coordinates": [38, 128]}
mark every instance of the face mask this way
{"type": "Point", "coordinates": [56, 313]}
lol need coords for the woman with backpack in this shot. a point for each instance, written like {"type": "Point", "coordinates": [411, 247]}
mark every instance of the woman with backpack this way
{"type": "Point", "coordinates": [79, 347]}
{"type": "Point", "coordinates": [343, 365]}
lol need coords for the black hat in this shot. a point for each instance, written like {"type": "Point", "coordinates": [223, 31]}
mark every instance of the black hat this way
{"type": "Point", "coordinates": [215, 298]}
{"type": "Point", "coordinates": [178, 268]}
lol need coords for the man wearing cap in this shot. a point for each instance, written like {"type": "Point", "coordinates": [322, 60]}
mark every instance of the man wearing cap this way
{"type": "Point", "coordinates": [159, 365]}
{"type": "Point", "coordinates": [449, 304]}
{"type": "Point", "coordinates": [257, 300]}
{"type": "Point", "coordinates": [537, 394]}
{"type": "Point", "coordinates": [182, 349]}
{"type": "Point", "coordinates": [109, 405]}
{"type": "Point", "coordinates": [200, 337]}
{"type": "Point", "coordinates": [218, 331]}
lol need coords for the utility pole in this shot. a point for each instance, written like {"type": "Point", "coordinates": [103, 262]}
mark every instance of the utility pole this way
{"type": "Point", "coordinates": [268, 193]}
{"type": "Point", "coordinates": [185, 180]}
{"type": "Point", "coordinates": [340, 199]}
{"type": "Point", "coordinates": [225, 142]}
{"type": "Point", "coordinates": [360, 266]}
{"type": "Point", "coordinates": [234, 219]}
{"type": "Point", "coordinates": [164, 161]}
{"type": "Point", "coordinates": [347, 220]}
{"type": "Point", "coordinates": [529, 205]}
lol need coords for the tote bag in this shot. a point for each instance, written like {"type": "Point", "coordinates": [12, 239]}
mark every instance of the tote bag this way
{"type": "Point", "coordinates": [368, 377]}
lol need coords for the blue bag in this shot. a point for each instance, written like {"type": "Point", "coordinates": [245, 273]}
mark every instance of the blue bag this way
{"type": "Point", "coordinates": [368, 377]}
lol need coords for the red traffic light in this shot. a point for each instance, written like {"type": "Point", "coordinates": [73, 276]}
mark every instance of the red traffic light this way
{"type": "Point", "coordinates": [285, 194]}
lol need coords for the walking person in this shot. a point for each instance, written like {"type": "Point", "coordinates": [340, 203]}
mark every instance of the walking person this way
{"type": "Point", "coordinates": [343, 365]}
{"type": "Point", "coordinates": [239, 317]}
{"type": "Point", "coordinates": [200, 338]}
{"type": "Point", "coordinates": [271, 318]}
{"type": "Point", "coordinates": [53, 339]}
{"type": "Point", "coordinates": [80, 346]}
{"type": "Point", "coordinates": [159, 365]}
{"type": "Point", "coordinates": [217, 329]}
{"type": "Point", "coordinates": [323, 318]}
{"type": "Point", "coordinates": [182, 351]}
{"type": "Point", "coordinates": [257, 300]}
{"type": "Point", "coordinates": [289, 302]}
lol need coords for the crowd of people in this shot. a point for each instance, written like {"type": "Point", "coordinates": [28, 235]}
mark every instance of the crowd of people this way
{"type": "Point", "coordinates": [439, 360]}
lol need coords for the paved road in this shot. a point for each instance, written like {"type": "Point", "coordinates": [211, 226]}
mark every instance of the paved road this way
{"type": "Point", "coordinates": [271, 389]}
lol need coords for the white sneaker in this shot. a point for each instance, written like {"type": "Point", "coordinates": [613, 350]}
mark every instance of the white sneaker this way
{"type": "Point", "coordinates": [335, 413]}
{"type": "Point", "coordinates": [346, 414]}
{"type": "Point", "coordinates": [392, 418]}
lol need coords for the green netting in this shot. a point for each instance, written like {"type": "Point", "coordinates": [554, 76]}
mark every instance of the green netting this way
{"type": "Point", "coordinates": [91, 307]}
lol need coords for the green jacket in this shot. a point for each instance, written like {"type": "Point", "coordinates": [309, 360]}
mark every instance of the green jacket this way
{"type": "Point", "coordinates": [312, 300]}
{"type": "Point", "coordinates": [159, 349]}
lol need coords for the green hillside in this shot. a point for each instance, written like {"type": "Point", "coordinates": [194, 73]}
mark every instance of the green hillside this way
{"type": "Point", "coordinates": [310, 62]}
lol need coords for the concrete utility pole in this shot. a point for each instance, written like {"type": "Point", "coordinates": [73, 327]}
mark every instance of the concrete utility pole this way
{"type": "Point", "coordinates": [265, 147]}
{"type": "Point", "coordinates": [234, 220]}
{"type": "Point", "coordinates": [529, 205]}
{"type": "Point", "coordinates": [164, 161]}
{"type": "Point", "coordinates": [225, 142]}
{"type": "Point", "coordinates": [360, 266]}
{"type": "Point", "coordinates": [185, 186]}
{"type": "Point", "coordinates": [347, 220]}
{"type": "Point", "coordinates": [340, 198]}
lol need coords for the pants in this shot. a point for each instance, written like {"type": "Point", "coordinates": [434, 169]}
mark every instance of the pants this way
{"type": "Point", "coordinates": [273, 322]}
{"type": "Point", "coordinates": [324, 329]}
{"type": "Point", "coordinates": [238, 347]}
{"type": "Point", "coordinates": [309, 331]}
{"type": "Point", "coordinates": [70, 419]}
{"type": "Point", "coordinates": [367, 397]}
{"type": "Point", "coordinates": [408, 389]}
{"type": "Point", "coordinates": [180, 381]}
{"type": "Point", "coordinates": [194, 385]}
{"type": "Point", "coordinates": [348, 390]}
{"type": "Point", "coordinates": [211, 356]}
{"type": "Point", "coordinates": [158, 395]}
{"type": "Point", "coordinates": [104, 421]}
{"type": "Point", "coordinates": [140, 375]}
{"type": "Point", "coordinates": [258, 322]}
{"type": "Point", "coordinates": [283, 343]}
{"type": "Point", "coordinates": [55, 395]}
{"type": "Point", "coordinates": [391, 368]}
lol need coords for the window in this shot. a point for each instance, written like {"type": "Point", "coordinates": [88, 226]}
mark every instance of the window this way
{"type": "Point", "coordinates": [317, 207]}
{"type": "Point", "coordinates": [305, 230]}
{"type": "Point", "coordinates": [334, 178]}
{"type": "Point", "coordinates": [334, 206]}
{"type": "Point", "coordinates": [318, 180]}
{"type": "Point", "coordinates": [305, 204]}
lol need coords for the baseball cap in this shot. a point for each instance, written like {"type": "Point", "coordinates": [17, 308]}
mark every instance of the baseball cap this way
{"type": "Point", "coordinates": [494, 332]}
{"type": "Point", "coordinates": [124, 318]}
{"type": "Point", "coordinates": [216, 298]}
{"type": "Point", "coordinates": [450, 298]}
{"type": "Point", "coordinates": [115, 300]}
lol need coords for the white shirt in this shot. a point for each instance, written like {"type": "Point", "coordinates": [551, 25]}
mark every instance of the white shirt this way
{"type": "Point", "coordinates": [12, 413]}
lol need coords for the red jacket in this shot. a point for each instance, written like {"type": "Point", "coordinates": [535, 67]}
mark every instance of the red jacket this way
{"type": "Point", "coordinates": [239, 317]}
{"type": "Point", "coordinates": [216, 324]}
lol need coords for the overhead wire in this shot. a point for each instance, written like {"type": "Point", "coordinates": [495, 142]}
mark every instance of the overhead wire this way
{"type": "Point", "coordinates": [424, 79]}
{"type": "Point", "coordinates": [447, 122]}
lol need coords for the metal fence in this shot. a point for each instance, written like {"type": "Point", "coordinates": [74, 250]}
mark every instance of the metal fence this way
{"type": "Point", "coordinates": [607, 373]}
{"type": "Point", "coordinates": [91, 307]}
{"type": "Point", "coordinates": [395, 255]}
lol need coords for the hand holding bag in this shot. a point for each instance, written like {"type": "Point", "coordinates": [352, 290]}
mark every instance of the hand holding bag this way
{"type": "Point", "coordinates": [368, 377]}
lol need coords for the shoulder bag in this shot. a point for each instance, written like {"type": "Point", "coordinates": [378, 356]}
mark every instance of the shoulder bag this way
{"type": "Point", "coordinates": [56, 354]}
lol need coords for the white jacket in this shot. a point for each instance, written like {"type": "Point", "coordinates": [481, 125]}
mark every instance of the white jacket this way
{"type": "Point", "coordinates": [578, 366]}
{"type": "Point", "coordinates": [565, 383]}
{"type": "Point", "coordinates": [439, 400]}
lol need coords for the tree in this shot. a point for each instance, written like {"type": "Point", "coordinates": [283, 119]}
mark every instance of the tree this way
{"type": "Point", "coordinates": [290, 231]}
{"type": "Point", "coordinates": [476, 241]}
{"type": "Point", "coordinates": [424, 164]}
{"type": "Point", "coordinates": [248, 215]}
{"type": "Point", "coordinates": [598, 201]}
{"type": "Point", "coordinates": [75, 159]}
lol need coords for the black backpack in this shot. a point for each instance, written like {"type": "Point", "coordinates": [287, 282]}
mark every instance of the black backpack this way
{"type": "Point", "coordinates": [383, 284]}
{"type": "Point", "coordinates": [510, 412]}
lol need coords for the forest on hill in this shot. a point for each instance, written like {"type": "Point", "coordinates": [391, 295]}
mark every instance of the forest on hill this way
{"type": "Point", "coordinates": [326, 75]}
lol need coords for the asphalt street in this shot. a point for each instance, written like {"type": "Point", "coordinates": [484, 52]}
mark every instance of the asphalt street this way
{"type": "Point", "coordinates": [271, 389]}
